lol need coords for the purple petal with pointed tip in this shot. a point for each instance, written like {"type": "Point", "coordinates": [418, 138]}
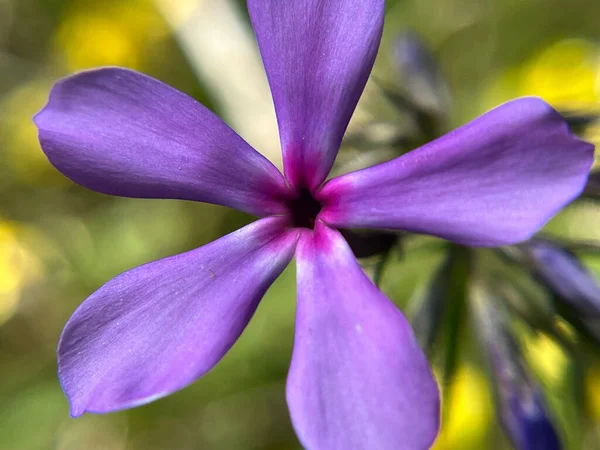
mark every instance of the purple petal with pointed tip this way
{"type": "Point", "coordinates": [318, 56]}
{"type": "Point", "coordinates": [358, 378]}
{"type": "Point", "coordinates": [156, 328]}
{"type": "Point", "coordinates": [123, 133]}
{"type": "Point", "coordinates": [494, 181]}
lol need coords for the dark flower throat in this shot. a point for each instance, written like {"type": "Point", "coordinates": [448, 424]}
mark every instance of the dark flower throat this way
{"type": "Point", "coordinates": [304, 210]}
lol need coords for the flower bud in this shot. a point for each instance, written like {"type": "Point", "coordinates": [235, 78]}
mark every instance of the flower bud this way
{"type": "Point", "coordinates": [520, 403]}
{"type": "Point", "coordinates": [565, 275]}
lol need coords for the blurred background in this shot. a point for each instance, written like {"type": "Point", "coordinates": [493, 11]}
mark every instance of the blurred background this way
{"type": "Point", "coordinates": [442, 63]}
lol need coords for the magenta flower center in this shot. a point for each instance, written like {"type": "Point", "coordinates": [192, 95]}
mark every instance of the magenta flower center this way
{"type": "Point", "coordinates": [304, 209]}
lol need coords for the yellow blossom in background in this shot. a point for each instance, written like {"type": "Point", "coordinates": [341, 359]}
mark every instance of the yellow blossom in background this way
{"type": "Point", "coordinates": [89, 41]}
{"type": "Point", "coordinates": [566, 74]}
{"type": "Point", "coordinates": [18, 266]}
{"type": "Point", "coordinates": [110, 33]}
{"type": "Point", "coordinates": [470, 413]}
{"type": "Point", "coordinates": [592, 392]}
{"type": "Point", "coordinates": [22, 154]}
{"type": "Point", "coordinates": [546, 358]}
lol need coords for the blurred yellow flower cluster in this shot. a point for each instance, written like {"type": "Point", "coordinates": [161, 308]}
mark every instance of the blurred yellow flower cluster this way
{"type": "Point", "coordinates": [24, 158]}
{"type": "Point", "coordinates": [112, 34]}
{"type": "Point", "coordinates": [469, 415]}
{"type": "Point", "coordinates": [547, 359]}
{"type": "Point", "coordinates": [19, 266]}
{"type": "Point", "coordinates": [592, 387]}
{"type": "Point", "coordinates": [566, 74]}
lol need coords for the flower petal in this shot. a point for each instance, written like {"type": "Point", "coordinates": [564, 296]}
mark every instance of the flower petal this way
{"type": "Point", "coordinates": [494, 181]}
{"type": "Point", "coordinates": [123, 133]}
{"type": "Point", "coordinates": [318, 56]}
{"type": "Point", "coordinates": [358, 378]}
{"type": "Point", "coordinates": [156, 328]}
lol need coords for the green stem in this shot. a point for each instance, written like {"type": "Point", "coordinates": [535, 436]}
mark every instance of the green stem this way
{"type": "Point", "coordinates": [456, 315]}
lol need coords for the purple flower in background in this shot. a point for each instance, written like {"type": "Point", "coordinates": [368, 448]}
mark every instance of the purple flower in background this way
{"type": "Point", "coordinates": [519, 399]}
{"type": "Point", "coordinates": [565, 275]}
{"type": "Point", "coordinates": [358, 379]}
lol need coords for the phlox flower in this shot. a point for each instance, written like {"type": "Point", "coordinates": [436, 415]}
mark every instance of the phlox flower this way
{"type": "Point", "coordinates": [358, 379]}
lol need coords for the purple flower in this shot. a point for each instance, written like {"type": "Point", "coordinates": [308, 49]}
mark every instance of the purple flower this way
{"type": "Point", "coordinates": [358, 378]}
